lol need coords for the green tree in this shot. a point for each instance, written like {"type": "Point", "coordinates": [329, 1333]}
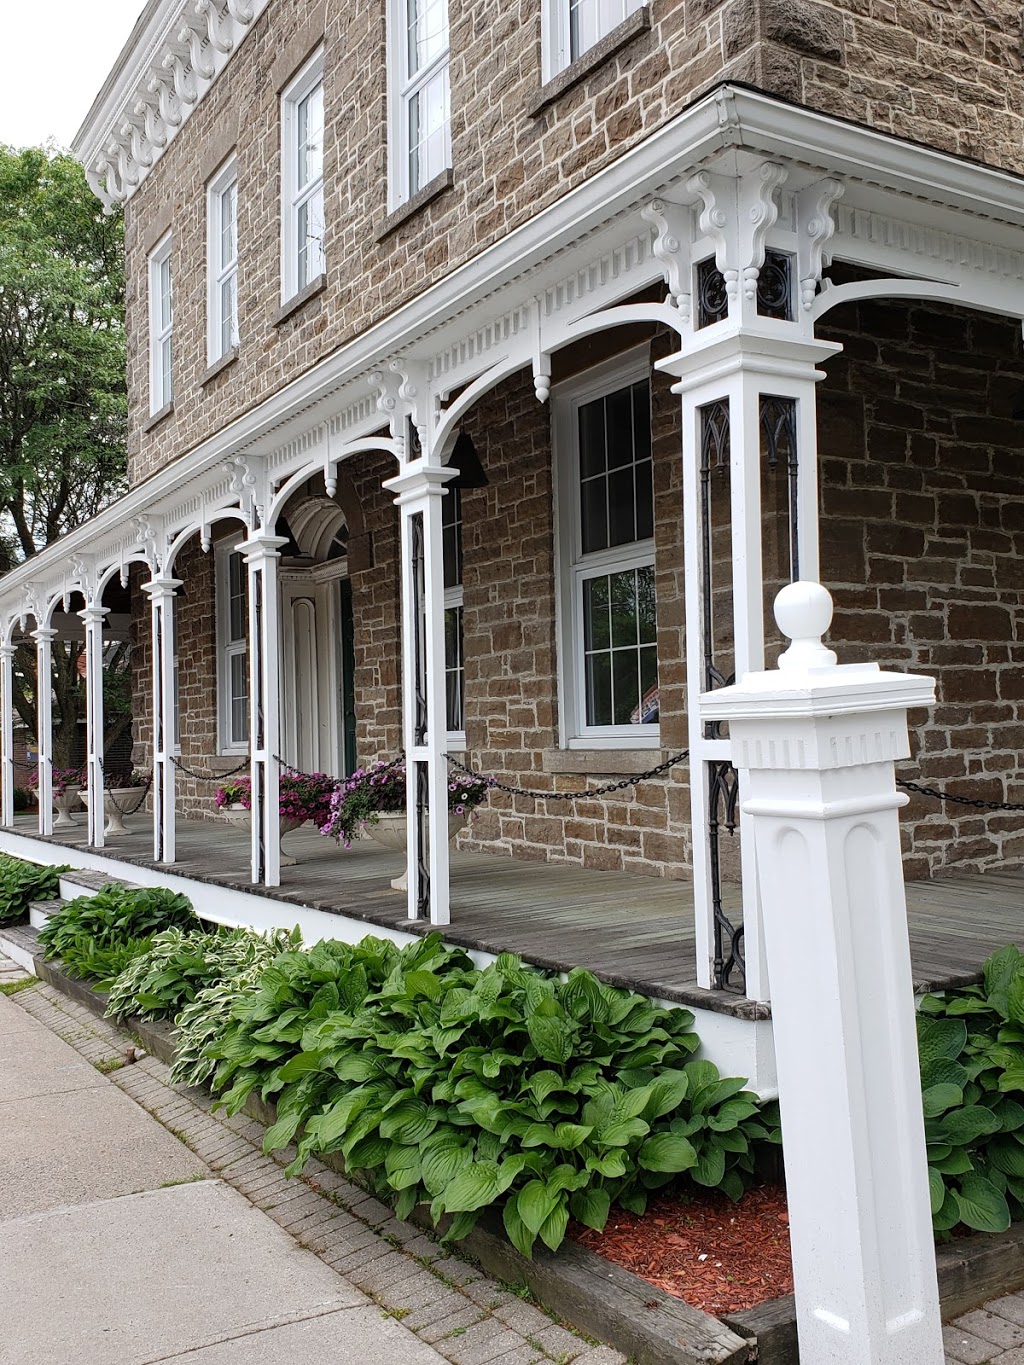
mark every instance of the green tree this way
{"type": "Point", "coordinates": [62, 383]}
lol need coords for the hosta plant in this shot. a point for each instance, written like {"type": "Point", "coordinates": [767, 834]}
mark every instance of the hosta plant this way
{"type": "Point", "coordinates": [971, 1046]}
{"type": "Point", "coordinates": [21, 883]}
{"type": "Point", "coordinates": [93, 934]}
{"type": "Point", "coordinates": [465, 1089]}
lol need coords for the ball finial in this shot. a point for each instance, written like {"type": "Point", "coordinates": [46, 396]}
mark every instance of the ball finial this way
{"type": "Point", "coordinates": [803, 611]}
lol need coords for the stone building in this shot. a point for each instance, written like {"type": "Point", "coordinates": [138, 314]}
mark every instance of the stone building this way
{"type": "Point", "coordinates": [498, 363]}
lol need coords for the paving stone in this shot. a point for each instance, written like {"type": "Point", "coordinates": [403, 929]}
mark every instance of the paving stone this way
{"type": "Point", "coordinates": [437, 1331]}
{"type": "Point", "coordinates": [967, 1349]}
{"type": "Point", "coordinates": [990, 1328]}
{"type": "Point", "coordinates": [1010, 1307]}
{"type": "Point", "coordinates": [478, 1345]}
{"type": "Point", "coordinates": [386, 1274]}
{"type": "Point", "coordinates": [445, 1305]}
{"type": "Point", "coordinates": [557, 1342]}
{"type": "Point", "coordinates": [523, 1317]}
{"type": "Point", "coordinates": [601, 1355]}
{"type": "Point", "coordinates": [458, 1271]}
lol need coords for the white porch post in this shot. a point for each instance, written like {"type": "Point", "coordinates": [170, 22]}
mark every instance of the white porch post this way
{"type": "Point", "coordinates": [816, 744]}
{"type": "Point", "coordinates": [722, 378]}
{"type": "Point", "coordinates": [418, 492]}
{"type": "Point", "coordinates": [93, 616]}
{"type": "Point", "coordinates": [161, 593]}
{"type": "Point", "coordinates": [262, 551]}
{"type": "Point", "coordinates": [7, 783]}
{"type": "Point", "coordinates": [44, 638]}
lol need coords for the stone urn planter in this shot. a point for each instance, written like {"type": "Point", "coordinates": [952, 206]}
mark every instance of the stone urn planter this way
{"type": "Point", "coordinates": [390, 833]}
{"type": "Point", "coordinates": [63, 803]}
{"type": "Point", "coordinates": [117, 803]}
{"type": "Point", "coordinates": [239, 815]}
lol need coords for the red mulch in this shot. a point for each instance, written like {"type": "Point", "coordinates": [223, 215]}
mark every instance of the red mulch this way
{"type": "Point", "coordinates": [718, 1256]}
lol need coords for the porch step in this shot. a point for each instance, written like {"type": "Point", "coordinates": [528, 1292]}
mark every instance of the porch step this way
{"type": "Point", "coordinates": [20, 942]}
{"type": "Point", "coordinates": [81, 882]}
{"type": "Point", "coordinates": [41, 911]}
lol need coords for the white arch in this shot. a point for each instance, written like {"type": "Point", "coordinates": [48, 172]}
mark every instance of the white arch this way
{"type": "Point", "coordinates": [328, 467]}
{"type": "Point", "coordinates": [198, 528]}
{"type": "Point", "coordinates": [942, 291]}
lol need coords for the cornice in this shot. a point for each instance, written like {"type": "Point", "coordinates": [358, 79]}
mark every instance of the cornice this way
{"type": "Point", "coordinates": [176, 51]}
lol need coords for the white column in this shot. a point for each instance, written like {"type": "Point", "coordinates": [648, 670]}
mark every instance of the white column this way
{"type": "Point", "coordinates": [161, 594]}
{"type": "Point", "coordinates": [7, 778]}
{"type": "Point", "coordinates": [44, 637]}
{"type": "Point", "coordinates": [418, 492]}
{"type": "Point", "coordinates": [737, 365]}
{"type": "Point", "coordinates": [93, 616]}
{"type": "Point", "coordinates": [817, 744]}
{"type": "Point", "coordinates": [262, 552]}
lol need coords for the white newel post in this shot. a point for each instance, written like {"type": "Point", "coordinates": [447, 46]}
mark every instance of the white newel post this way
{"type": "Point", "coordinates": [93, 616]}
{"type": "Point", "coordinates": [7, 780]}
{"type": "Point", "coordinates": [161, 594]}
{"type": "Point", "coordinates": [418, 492]}
{"type": "Point", "coordinates": [44, 638]}
{"type": "Point", "coordinates": [262, 552]}
{"type": "Point", "coordinates": [816, 743]}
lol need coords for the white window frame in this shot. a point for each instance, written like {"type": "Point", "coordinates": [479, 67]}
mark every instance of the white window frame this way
{"type": "Point", "coordinates": [161, 385]}
{"type": "Point", "coordinates": [226, 647]}
{"type": "Point", "coordinates": [454, 599]}
{"type": "Point", "coordinates": [572, 567]}
{"type": "Point", "coordinates": [292, 197]}
{"type": "Point", "coordinates": [219, 270]}
{"type": "Point", "coordinates": [557, 45]}
{"type": "Point", "coordinates": [402, 88]}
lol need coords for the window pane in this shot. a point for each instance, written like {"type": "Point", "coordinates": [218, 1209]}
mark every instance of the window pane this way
{"type": "Point", "coordinates": [619, 425]}
{"type": "Point", "coordinates": [228, 313]}
{"type": "Point", "coordinates": [166, 384]}
{"type": "Point", "coordinates": [311, 137]}
{"type": "Point", "coordinates": [228, 248]}
{"type": "Point", "coordinates": [625, 686]}
{"type": "Point", "coordinates": [594, 515]}
{"type": "Point", "coordinates": [644, 475]}
{"type": "Point", "coordinates": [428, 32]}
{"type": "Point", "coordinates": [310, 235]}
{"type": "Point", "coordinates": [166, 300]}
{"type": "Point", "coordinates": [592, 451]}
{"type": "Point", "coordinates": [238, 596]}
{"type": "Point", "coordinates": [455, 672]}
{"type": "Point", "coordinates": [599, 689]}
{"type": "Point", "coordinates": [238, 685]}
{"type": "Point", "coordinates": [590, 20]}
{"type": "Point", "coordinates": [621, 507]}
{"type": "Point", "coordinates": [428, 130]}
{"type": "Point", "coordinates": [616, 493]}
{"type": "Point", "coordinates": [596, 620]}
{"type": "Point", "coordinates": [621, 661]}
{"type": "Point", "coordinates": [451, 525]}
{"type": "Point", "coordinates": [647, 613]}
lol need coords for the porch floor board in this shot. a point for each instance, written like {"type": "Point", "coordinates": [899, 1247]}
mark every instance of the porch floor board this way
{"type": "Point", "coordinates": [630, 930]}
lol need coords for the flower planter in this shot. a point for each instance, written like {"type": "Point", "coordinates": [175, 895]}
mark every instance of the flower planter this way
{"type": "Point", "coordinates": [239, 815]}
{"type": "Point", "coordinates": [128, 801]}
{"type": "Point", "coordinates": [390, 833]}
{"type": "Point", "coordinates": [63, 802]}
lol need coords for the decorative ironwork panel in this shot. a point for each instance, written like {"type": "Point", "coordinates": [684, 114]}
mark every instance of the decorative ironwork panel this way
{"type": "Point", "coordinates": [779, 448]}
{"type": "Point", "coordinates": [775, 286]}
{"type": "Point", "coordinates": [723, 806]}
{"type": "Point", "coordinates": [712, 295]}
{"type": "Point", "coordinates": [422, 783]}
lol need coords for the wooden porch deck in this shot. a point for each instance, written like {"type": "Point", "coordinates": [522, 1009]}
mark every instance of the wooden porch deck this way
{"type": "Point", "coordinates": [631, 931]}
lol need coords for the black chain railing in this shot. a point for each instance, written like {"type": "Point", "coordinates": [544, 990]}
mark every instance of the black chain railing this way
{"type": "Point", "coordinates": [585, 794]}
{"type": "Point", "coordinates": [975, 802]}
{"type": "Point", "coordinates": [209, 777]}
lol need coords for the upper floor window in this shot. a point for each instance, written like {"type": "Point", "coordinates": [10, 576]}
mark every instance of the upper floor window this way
{"type": "Point", "coordinates": [222, 262]}
{"type": "Point", "coordinates": [161, 326]}
{"type": "Point", "coordinates": [576, 25]}
{"type": "Point", "coordinates": [606, 554]}
{"type": "Point", "coordinates": [302, 178]}
{"type": "Point", "coordinates": [454, 652]}
{"type": "Point", "coordinates": [420, 103]}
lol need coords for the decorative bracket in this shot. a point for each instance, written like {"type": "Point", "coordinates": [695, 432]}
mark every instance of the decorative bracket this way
{"type": "Point", "coordinates": [738, 213]}
{"type": "Point", "coordinates": [815, 229]}
{"type": "Point", "coordinates": [673, 232]}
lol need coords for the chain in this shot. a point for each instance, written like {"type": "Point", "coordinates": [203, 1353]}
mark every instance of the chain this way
{"type": "Point", "coordinates": [973, 801]}
{"type": "Point", "coordinates": [208, 777]}
{"type": "Point", "coordinates": [631, 781]}
{"type": "Point", "coordinates": [298, 772]}
{"type": "Point", "coordinates": [109, 794]}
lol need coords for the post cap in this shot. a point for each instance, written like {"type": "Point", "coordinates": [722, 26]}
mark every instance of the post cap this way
{"type": "Point", "coordinates": [803, 611]}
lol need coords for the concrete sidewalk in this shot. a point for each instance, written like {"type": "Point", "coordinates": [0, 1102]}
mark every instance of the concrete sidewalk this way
{"type": "Point", "coordinates": [121, 1248]}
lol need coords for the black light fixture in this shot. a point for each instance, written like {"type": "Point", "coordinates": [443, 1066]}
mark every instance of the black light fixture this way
{"type": "Point", "coordinates": [465, 459]}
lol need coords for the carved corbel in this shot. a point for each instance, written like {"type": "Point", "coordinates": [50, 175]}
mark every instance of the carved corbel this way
{"type": "Point", "coordinates": [161, 84]}
{"type": "Point", "coordinates": [541, 357]}
{"type": "Point", "coordinates": [146, 539]}
{"type": "Point", "coordinates": [134, 132]}
{"type": "Point", "coordinates": [193, 34]}
{"type": "Point", "coordinates": [97, 178]}
{"type": "Point", "coordinates": [399, 398]}
{"type": "Point", "coordinates": [240, 12]}
{"type": "Point", "coordinates": [218, 21]}
{"type": "Point", "coordinates": [248, 485]}
{"type": "Point", "coordinates": [155, 130]}
{"type": "Point", "coordinates": [184, 78]}
{"type": "Point", "coordinates": [672, 240]}
{"type": "Point", "coordinates": [815, 229]}
{"type": "Point", "coordinates": [119, 155]}
{"type": "Point", "coordinates": [738, 213]}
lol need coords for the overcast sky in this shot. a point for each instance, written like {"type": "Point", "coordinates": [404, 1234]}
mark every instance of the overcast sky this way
{"type": "Point", "coordinates": [53, 59]}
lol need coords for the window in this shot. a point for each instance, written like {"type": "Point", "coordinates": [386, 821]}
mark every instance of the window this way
{"type": "Point", "coordinates": [232, 649]}
{"type": "Point", "coordinates": [222, 262]}
{"type": "Point", "coordinates": [606, 556]}
{"type": "Point", "coordinates": [302, 179]}
{"type": "Point", "coordinates": [161, 327]}
{"type": "Point", "coordinates": [454, 654]}
{"type": "Point", "coordinates": [576, 25]}
{"type": "Point", "coordinates": [419, 95]}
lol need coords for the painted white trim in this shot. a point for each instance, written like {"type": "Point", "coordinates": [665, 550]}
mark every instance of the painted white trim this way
{"type": "Point", "coordinates": [226, 647]}
{"type": "Point", "coordinates": [557, 51]}
{"type": "Point", "coordinates": [293, 195]}
{"type": "Point", "coordinates": [219, 270]}
{"type": "Point", "coordinates": [572, 567]}
{"type": "Point", "coordinates": [403, 86]}
{"type": "Point", "coordinates": [161, 334]}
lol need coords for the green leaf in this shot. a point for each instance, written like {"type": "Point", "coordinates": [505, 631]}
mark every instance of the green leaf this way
{"type": "Point", "coordinates": [518, 1233]}
{"type": "Point", "coordinates": [981, 1205]}
{"type": "Point", "coordinates": [535, 1204]}
{"type": "Point", "coordinates": [619, 1133]}
{"type": "Point", "coordinates": [667, 1152]}
{"type": "Point", "coordinates": [667, 1092]}
{"type": "Point", "coordinates": [962, 1126]}
{"type": "Point", "coordinates": [562, 1136]}
{"type": "Point", "coordinates": [473, 1188]}
{"type": "Point", "coordinates": [940, 1039]}
{"type": "Point", "coordinates": [939, 1098]}
{"type": "Point", "coordinates": [936, 1190]}
{"type": "Point", "coordinates": [409, 1121]}
{"type": "Point", "coordinates": [552, 1234]}
{"type": "Point", "coordinates": [591, 1207]}
{"type": "Point", "coordinates": [550, 1037]}
{"type": "Point", "coordinates": [1007, 1155]}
